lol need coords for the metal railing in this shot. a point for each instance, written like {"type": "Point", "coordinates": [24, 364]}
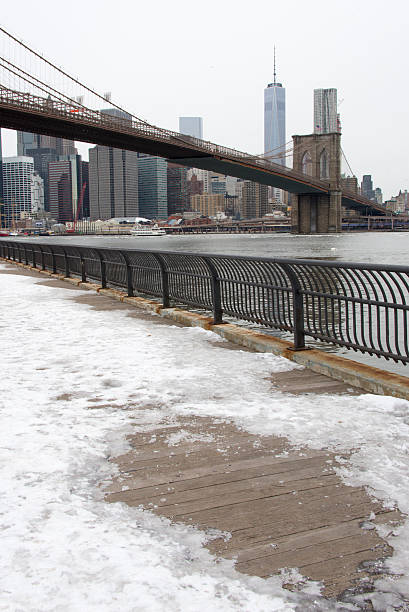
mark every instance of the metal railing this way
{"type": "Point", "coordinates": [362, 307]}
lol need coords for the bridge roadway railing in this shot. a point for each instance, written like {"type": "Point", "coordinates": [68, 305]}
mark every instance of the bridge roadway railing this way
{"type": "Point", "coordinates": [363, 307]}
{"type": "Point", "coordinates": [86, 116]}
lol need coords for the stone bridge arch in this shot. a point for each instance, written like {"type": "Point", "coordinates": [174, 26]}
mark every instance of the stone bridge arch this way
{"type": "Point", "coordinates": [319, 156]}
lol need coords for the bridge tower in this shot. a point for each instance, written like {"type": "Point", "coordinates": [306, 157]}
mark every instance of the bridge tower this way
{"type": "Point", "coordinates": [318, 155]}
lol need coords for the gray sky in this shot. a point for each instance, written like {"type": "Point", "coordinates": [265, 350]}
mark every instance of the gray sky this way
{"type": "Point", "coordinates": [163, 59]}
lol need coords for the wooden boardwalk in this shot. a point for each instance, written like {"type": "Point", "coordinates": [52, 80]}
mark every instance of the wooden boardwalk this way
{"type": "Point", "coordinates": [279, 507]}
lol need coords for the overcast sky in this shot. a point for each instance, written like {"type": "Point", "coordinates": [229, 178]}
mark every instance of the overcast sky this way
{"type": "Point", "coordinates": [165, 59]}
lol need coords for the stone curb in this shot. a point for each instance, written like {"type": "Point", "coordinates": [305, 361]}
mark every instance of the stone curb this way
{"type": "Point", "coordinates": [369, 378]}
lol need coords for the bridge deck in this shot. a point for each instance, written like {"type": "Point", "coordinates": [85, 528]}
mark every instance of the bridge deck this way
{"type": "Point", "coordinates": [281, 507]}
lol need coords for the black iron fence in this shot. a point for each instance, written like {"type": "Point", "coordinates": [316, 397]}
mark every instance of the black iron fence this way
{"type": "Point", "coordinates": [362, 307]}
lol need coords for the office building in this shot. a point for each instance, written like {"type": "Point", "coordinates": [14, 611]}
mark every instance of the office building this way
{"type": "Point", "coordinates": [325, 111]}
{"type": "Point", "coordinates": [17, 182]}
{"type": "Point", "coordinates": [152, 187]}
{"type": "Point", "coordinates": [60, 181]}
{"type": "Point", "coordinates": [378, 195]}
{"type": "Point", "coordinates": [113, 183]}
{"type": "Point", "coordinates": [43, 149]}
{"type": "Point", "coordinates": [178, 200]}
{"type": "Point", "coordinates": [274, 126]}
{"type": "Point", "coordinates": [42, 157]}
{"type": "Point", "coordinates": [191, 126]}
{"type": "Point", "coordinates": [84, 212]}
{"type": "Point", "coordinates": [113, 179]}
{"type": "Point", "coordinates": [27, 141]}
{"type": "Point", "coordinates": [367, 189]}
{"type": "Point", "coordinates": [274, 121]}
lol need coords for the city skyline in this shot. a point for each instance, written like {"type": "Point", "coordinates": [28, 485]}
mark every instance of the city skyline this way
{"type": "Point", "coordinates": [225, 88]}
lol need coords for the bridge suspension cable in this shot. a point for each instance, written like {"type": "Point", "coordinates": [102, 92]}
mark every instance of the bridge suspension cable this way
{"type": "Point", "coordinates": [62, 72]}
{"type": "Point", "coordinates": [347, 162]}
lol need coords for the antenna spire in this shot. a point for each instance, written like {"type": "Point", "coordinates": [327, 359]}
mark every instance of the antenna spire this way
{"type": "Point", "coordinates": [275, 79]}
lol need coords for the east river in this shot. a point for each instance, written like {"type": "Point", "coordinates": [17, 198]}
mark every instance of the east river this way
{"type": "Point", "coordinates": [366, 247]}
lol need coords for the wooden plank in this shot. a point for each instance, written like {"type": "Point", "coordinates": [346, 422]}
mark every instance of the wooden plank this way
{"type": "Point", "coordinates": [260, 492]}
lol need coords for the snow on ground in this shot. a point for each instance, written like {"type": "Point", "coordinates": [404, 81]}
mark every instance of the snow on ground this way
{"type": "Point", "coordinates": [63, 548]}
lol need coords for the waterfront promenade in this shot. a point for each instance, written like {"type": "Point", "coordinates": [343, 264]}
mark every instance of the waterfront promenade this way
{"type": "Point", "coordinates": [207, 447]}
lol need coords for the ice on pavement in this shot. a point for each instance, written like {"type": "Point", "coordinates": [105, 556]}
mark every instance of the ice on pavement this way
{"type": "Point", "coordinates": [74, 383]}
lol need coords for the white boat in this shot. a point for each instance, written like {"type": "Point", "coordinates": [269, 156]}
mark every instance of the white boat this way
{"type": "Point", "coordinates": [147, 230]}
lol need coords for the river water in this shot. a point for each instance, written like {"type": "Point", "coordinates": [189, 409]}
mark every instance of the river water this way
{"type": "Point", "coordinates": [366, 247]}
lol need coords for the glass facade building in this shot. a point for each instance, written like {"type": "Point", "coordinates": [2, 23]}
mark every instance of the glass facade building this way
{"type": "Point", "coordinates": [274, 122]}
{"type": "Point", "coordinates": [191, 126]}
{"type": "Point", "coordinates": [153, 187]}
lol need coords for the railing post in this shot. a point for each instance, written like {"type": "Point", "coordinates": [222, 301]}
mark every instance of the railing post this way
{"type": "Point", "coordinates": [83, 271]}
{"type": "Point", "coordinates": [54, 261]}
{"type": "Point", "coordinates": [298, 308]}
{"type": "Point", "coordinates": [216, 293]}
{"type": "Point", "coordinates": [128, 274]}
{"type": "Point", "coordinates": [42, 258]}
{"type": "Point", "coordinates": [25, 254]}
{"type": "Point", "coordinates": [103, 270]}
{"type": "Point", "coordinates": [19, 253]}
{"type": "Point", "coordinates": [67, 264]}
{"type": "Point", "coordinates": [34, 256]}
{"type": "Point", "coordinates": [165, 280]}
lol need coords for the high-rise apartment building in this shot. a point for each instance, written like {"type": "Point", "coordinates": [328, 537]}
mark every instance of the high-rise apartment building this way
{"type": "Point", "coordinates": [17, 183]}
{"type": "Point", "coordinates": [253, 200]}
{"type": "Point", "coordinates": [37, 194]}
{"type": "Point", "coordinates": [152, 187]}
{"type": "Point", "coordinates": [208, 204]}
{"type": "Point", "coordinates": [325, 111]}
{"type": "Point", "coordinates": [191, 126]}
{"type": "Point", "coordinates": [113, 183]}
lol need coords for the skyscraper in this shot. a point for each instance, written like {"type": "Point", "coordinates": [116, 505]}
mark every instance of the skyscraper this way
{"type": "Point", "coordinates": [17, 184]}
{"type": "Point", "coordinates": [43, 149]}
{"type": "Point", "coordinates": [367, 189]}
{"type": "Point", "coordinates": [113, 183]}
{"type": "Point", "coordinates": [152, 187]}
{"type": "Point", "coordinates": [325, 111]}
{"type": "Point", "coordinates": [27, 141]}
{"type": "Point", "coordinates": [113, 179]}
{"type": "Point", "coordinates": [178, 200]}
{"type": "Point", "coordinates": [274, 120]}
{"type": "Point", "coordinates": [191, 126]}
{"type": "Point", "coordinates": [60, 181]}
